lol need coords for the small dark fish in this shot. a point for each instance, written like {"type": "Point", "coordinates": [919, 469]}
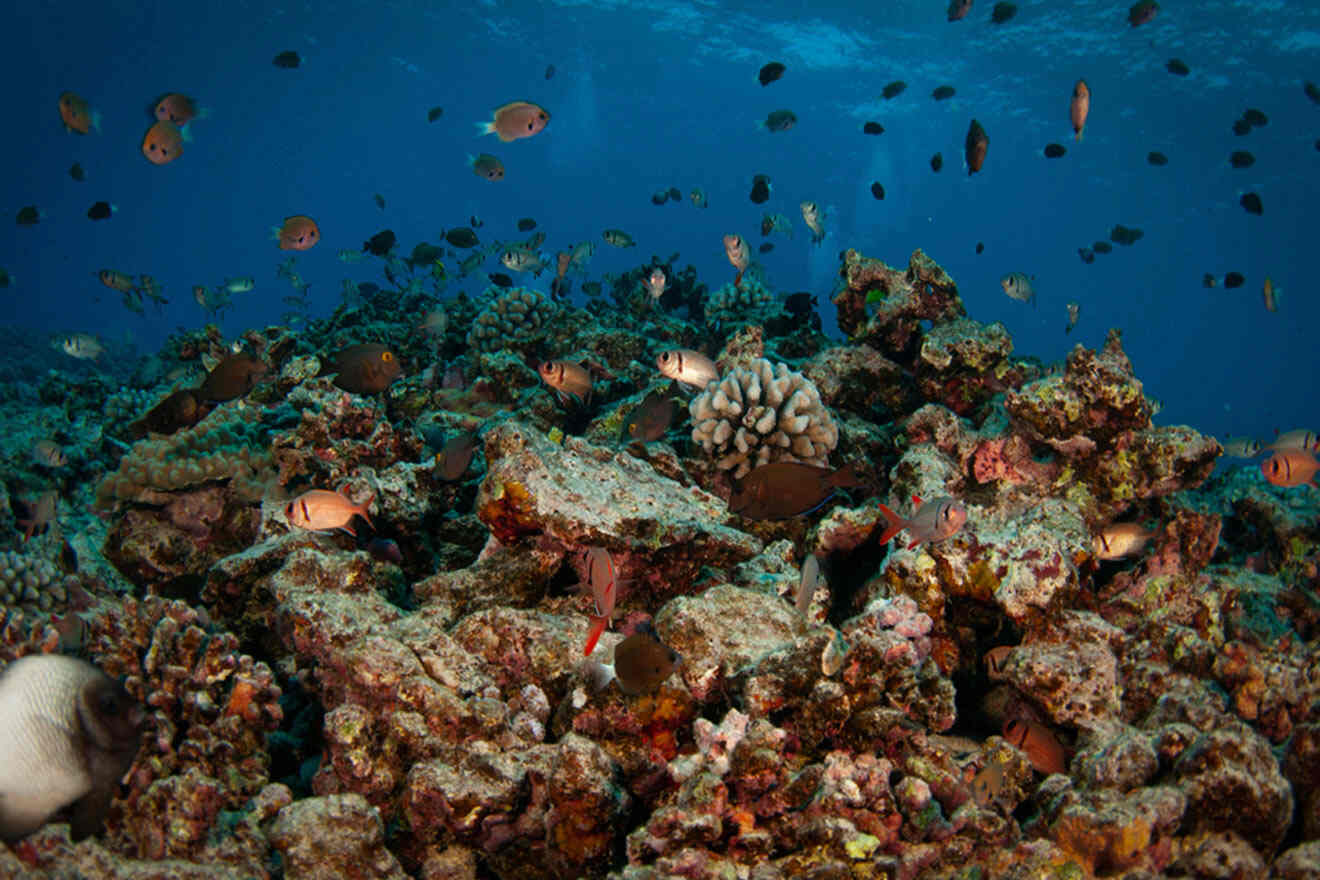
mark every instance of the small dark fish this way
{"type": "Point", "coordinates": [1176, 67]}
{"type": "Point", "coordinates": [100, 211]}
{"type": "Point", "coordinates": [1317, 145]}
{"type": "Point", "coordinates": [1054, 151]}
{"type": "Point", "coordinates": [379, 200]}
{"type": "Point", "coordinates": [77, 173]}
{"type": "Point", "coordinates": [873, 128]}
{"type": "Point", "coordinates": [1087, 255]}
{"type": "Point", "coordinates": [893, 89]}
{"type": "Point", "coordinates": [942, 93]}
{"type": "Point", "coordinates": [1209, 281]}
{"type": "Point", "coordinates": [499, 279]}
{"type": "Point", "coordinates": [642, 662]}
{"type": "Point", "coordinates": [770, 72]}
{"type": "Point", "coordinates": [475, 222]}
{"type": "Point", "coordinates": [958, 9]}
{"type": "Point", "coordinates": [1157, 158]}
{"type": "Point", "coordinates": [1142, 12]}
{"type": "Point", "coordinates": [424, 254]}
{"type": "Point", "coordinates": [780, 120]}
{"type": "Point", "coordinates": [435, 113]}
{"type": "Point", "coordinates": [28, 216]}
{"type": "Point", "coordinates": [366, 368]}
{"type": "Point", "coordinates": [878, 191]}
{"type": "Point", "coordinates": [1002, 12]}
{"type": "Point", "coordinates": [980, 247]}
{"type": "Point", "coordinates": [1312, 91]}
{"type": "Point", "coordinates": [936, 162]}
{"type": "Point", "coordinates": [1124, 235]}
{"type": "Point", "coordinates": [765, 247]}
{"type": "Point", "coordinates": [380, 243]}
{"type": "Point", "coordinates": [233, 377]}
{"type": "Point", "coordinates": [385, 550]}
{"type": "Point", "coordinates": [760, 189]}
{"type": "Point", "coordinates": [526, 224]}
{"type": "Point", "coordinates": [786, 489]}
{"type": "Point", "coordinates": [652, 417]}
{"type": "Point", "coordinates": [975, 147]}
{"type": "Point", "coordinates": [1234, 279]}
{"type": "Point", "coordinates": [1102, 247]}
{"type": "Point", "coordinates": [462, 237]}
{"type": "Point", "coordinates": [675, 194]}
{"type": "Point", "coordinates": [454, 459]}
{"type": "Point", "coordinates": [1255, 118]}
{"type": "Point", "coordinates": [549, 71]}
{"type": "Point", "coordinates": [1252, 204]}
{"type": "Point", "coordinates": [660, 197]}
{"type": "Point", "coordinates": [1241, 159]}
{"type": "Point", "coordinates": [5, 278]}
{"type": "Point", "coordinates": [287, 59]}
{"type": "Point", "coordinates": [1241, 128]}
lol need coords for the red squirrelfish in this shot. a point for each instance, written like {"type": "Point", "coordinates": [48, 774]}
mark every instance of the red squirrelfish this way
{"type": "Point", "coordinates": [320, 510]}
{"type": "Point", "coordinates": [1290, 467]}
{"type": "Point", "coordinates": [602, 580]}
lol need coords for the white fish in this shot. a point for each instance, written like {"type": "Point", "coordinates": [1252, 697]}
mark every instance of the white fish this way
{"type": "Point", "coordinates": [83, 346]}
{"type": "Point", "coordinates": [690, 368]}
{"type": "Point", "coordinates": [1018, 286]}
{"type": "Point", "coordinates": [811, 215]}
{"type": "Point", "coordinates": [808, 580]}
{"type": "Point", "coordinates": [656, 284]}
{"type": "Point", "coordinates": [68, 733]}
{"type": "Point", "coordinates": [518, 259]}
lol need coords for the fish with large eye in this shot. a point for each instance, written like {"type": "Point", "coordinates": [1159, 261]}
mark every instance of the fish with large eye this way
{"type": "Point", "coordinates": [298, 233]}
{"type": "Point", "coordinates": [935, 520]}
{"type": "Point", "coordinates": [569, 381]}
{"type": "Point", "coordinates": [68, 733]}
{"type": "Point", "coordinates": [691, 369]}
{"type": "Point", "coordinates": [1290, 467]}
{"type": "Point", "coordinates": [163, 143]}
{"type": "Point", "coordinates": [366, 368]}
{"type": "Point", "coordinates": [319, 510]}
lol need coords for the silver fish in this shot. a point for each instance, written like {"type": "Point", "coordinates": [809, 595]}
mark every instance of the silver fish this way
{"type": "Point", "coordinates": [691, 368]}
{"type": "Point", "coordinates": [1018, 286]}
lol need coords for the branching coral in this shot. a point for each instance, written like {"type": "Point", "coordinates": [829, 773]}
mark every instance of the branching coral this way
{"type": "Point", "coordinates": [216, 449]}
{"type": "Point", "coordinates": [27, 579]}
{"type": "Point", "coordinates": [513, 317]}
{"type": "Point", "coordinates": [750, 303]}
{"type": "Point", "coordinates": [760, 414]}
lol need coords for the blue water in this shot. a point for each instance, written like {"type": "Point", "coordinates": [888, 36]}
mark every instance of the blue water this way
{"type": "Point", "coordinates": [659, 94]}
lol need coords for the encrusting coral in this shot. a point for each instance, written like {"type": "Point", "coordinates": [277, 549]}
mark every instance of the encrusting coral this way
{"type": "Point", "coordinates": [751, 302]}
{"type": "Point", "coordinates": [762, 413]}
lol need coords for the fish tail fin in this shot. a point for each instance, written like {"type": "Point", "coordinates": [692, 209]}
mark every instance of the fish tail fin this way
{"type": "Point", "coordinates": [598, 675]}
{"type": "Point", "coordinates": [96, 121]}
{"type": "Point", "coordinates": [598, 625]}
{"type": "Point", "coordinates": [485, 128]}
{"type": "Point", "coordinates": [364, 506]}
{"type": "Point", "coordinates": [185, 132]}
{"type": "Point", "coordinates": [895, 525]}
{"type": "Point", "coordinates": [845, 477]}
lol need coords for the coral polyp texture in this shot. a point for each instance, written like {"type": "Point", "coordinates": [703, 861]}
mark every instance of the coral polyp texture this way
{"type": "Point", "coordinates": [546, 648]}
{"type": "Point", "coordinates": [761, 413]}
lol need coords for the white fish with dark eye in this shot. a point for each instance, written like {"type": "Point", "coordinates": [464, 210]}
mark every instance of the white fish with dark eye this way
{"type": "Point", "coordinates": [691, 369]}
{"type": "Point", "coordinates": [815, 222]}
{"type": "Point", "coordinates": [808, 580]}
{"type": "Point", "coordinates": [519, 259]}
{"type": "Point", "coordinates": [933, 521]}
{"type": "Point", "coordinates": [1018, 286]}
{"type": "Point", "coordinates": [1074, 312]}
{"type": "Point", "coordinates": [68, 733]}
{"type": "Point", "coordinates": [1242, 447]}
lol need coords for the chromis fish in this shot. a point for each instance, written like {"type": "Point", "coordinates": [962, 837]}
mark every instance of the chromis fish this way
{"type": "Point", "coordinates": [690, 368]}
{"type": "Point", "coordinates": [453, 460]}
{"type": "Point", "coordinates": [321, 510]}
{"type": "Point", "coordinates": [934, 520]}
{"type": "Point", "coordinates": [698, 197]}
{"type": "Point", "coordinates": [517, 119]}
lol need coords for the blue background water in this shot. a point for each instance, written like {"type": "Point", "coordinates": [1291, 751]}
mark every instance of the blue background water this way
{"type": "Point", "coordinates": [659, 94]}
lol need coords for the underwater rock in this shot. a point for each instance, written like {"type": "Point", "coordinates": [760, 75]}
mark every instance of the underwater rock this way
{"type": "Point", "coordinates": [901, 299]}
{"type": "Point", "coordinates": [340, 834]}
{"type": "Point", "coordinates": [857, 378]}
{"type": "Point", "coordinates": [581, 495]}
{"type": "Point", "coordinates": [1107, 832]}
{"type": "Point", "coordinates": [962, 363]}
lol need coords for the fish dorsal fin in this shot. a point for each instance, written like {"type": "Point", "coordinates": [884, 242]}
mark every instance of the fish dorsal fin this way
{"type": "Point", "coordinates": [916, 499]}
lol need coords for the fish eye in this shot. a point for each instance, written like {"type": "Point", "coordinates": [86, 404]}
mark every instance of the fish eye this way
{"type": "Point", "coordinates": [108, 704]}
{"type": "Point", "coordinates": [288, 510]}
{"type": "Point", "coordinates": [387, 356]}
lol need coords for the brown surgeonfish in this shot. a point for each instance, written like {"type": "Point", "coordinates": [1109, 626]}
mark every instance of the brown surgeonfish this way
{"type": "Point", "coordinates": [233, 377]}
{"type": "Point", "coordinates": [453, 460]}
{"type": "Point", "coordinates": [975, 147]}
{"type": "Point", "coordinates": [366, 368]}
{"type": "Point", "coordinates": [785, 489]}
{"type": "Point", "coordinates": [651, 418]}
{"type": "Point", "coordinates": [68, 732]}
{"type": "Point", "coordinates": [178, 411]}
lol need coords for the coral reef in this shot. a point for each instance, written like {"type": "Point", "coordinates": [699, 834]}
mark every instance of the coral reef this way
{"type": "Point", "coordinates": [751, 302]}
{"type": "Point", "coordinates": [511, 318]}
{"type": "Point", "coordinates": [762, 413]}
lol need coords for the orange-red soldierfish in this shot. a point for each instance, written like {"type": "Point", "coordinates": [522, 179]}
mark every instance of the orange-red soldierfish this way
{"type": "Point", "coordinates": [1038, 743]}
{"type": "Point", "coordinates": [163, 143]}
{"type": "Point", "coordinates": [602, 580]}
{"type": "Point", "coordinates": [319, 510]}
{"type": "Point", "coordinates": [298, 233]}
{"type": "Point", "coordinates": [934, 520]}
{"type": "Point", "coordinates": [735, 248]}
{"type": "Point", "coordinates": [517, 119]}
{"type": "Point", "coordinates": [116, 280]}
{"type": "Point", "coordinates": [567, 379]}
{"type": "Point", "coordinates": [1290, 467]}
{"type": "Point", "coordinates": [1079, 107]}
{"type": "Point", "coordinates": [77, 115]}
